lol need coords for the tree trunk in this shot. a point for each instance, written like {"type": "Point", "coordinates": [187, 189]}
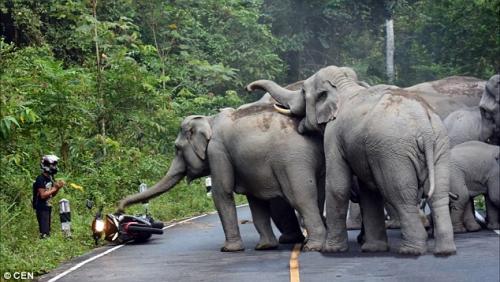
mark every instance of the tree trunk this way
{"type": "Point", "coordinates": [389, 28]}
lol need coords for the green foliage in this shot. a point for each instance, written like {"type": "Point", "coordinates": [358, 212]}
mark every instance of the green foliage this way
{"type": "Point", "coordinates": [111, 115]}
{"type": "Point", "coordinates": [434, 39]}
{"type": "Point", "coordinates": [447, 38]}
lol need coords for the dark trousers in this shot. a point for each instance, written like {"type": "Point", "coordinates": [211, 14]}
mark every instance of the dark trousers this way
{"type": "Point", "coordinates": [43, 216]}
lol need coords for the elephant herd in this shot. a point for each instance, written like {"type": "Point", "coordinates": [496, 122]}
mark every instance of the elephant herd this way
{"type": "Point", "coordinates": [312, 146]}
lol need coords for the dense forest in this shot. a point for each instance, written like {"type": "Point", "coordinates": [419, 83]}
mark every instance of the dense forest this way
{"type": "Point", "coordinates": [104, 85]}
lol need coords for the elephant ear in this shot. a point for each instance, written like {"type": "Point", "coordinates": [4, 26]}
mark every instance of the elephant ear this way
{"type": "Point", "coordinates": [326, 105]}
{"type": "Point", "coordinates": [198, 135]}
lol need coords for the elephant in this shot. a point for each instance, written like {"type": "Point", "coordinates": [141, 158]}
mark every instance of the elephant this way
{"type": "Point", "coordinates": [255, 151]}
{"type": "Point", "coordinates": [467, 125]}
{"type": "Point", "coordinates": [490, 106]}
{"type": "Point", "coordinates": [391, 140]}
{"type": "Point", "coordinates": [446, 96]}
{"type": "Point", "coordinates": [475, 170]}
{"type": "Point", "coordinates": [450, 93]}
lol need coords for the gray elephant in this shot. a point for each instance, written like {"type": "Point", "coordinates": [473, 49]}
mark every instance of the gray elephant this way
{"type": "Point", "coordinates": [391, 140]}
{"type": "Point", "coordinates": [450, 93]}
{"type": "Point", "coordinates": [475, 170]}
{"type": "Point", "coordinates": [480, 123]}
{"type": "Point", "coordinates": [447, 96]}
{"type": "Point", "coordinates": [469, 125]}
{"type": "Point", "coordinates": [490, 106]}
{"type": "Point", "coordinates": [253, 151]}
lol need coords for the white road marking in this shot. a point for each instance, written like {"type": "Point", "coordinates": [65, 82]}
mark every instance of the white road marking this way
{"type": "Point", "coordinates": [119, 246]}
{"type": "Point", "coordinates": [497, 232]}
{"type": "Point", "coordinates": [83, 263]}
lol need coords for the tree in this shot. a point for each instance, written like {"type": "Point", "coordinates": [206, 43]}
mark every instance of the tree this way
{"type": "Point", "coordinates": [389, 30]}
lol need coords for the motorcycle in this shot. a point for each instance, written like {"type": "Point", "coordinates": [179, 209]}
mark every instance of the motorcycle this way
{"type": "Point", "coordinates": [122, 228]}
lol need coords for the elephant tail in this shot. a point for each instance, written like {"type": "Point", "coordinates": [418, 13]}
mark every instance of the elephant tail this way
{"type": "Point", "coordinates": [429, 157]}
{"type": "Point", "coordinates": [426, 144]}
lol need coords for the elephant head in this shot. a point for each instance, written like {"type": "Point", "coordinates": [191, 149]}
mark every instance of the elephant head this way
{"type": "Point", "coordinates": [190, 159]}
{"type": "Point", "coordinates": [320, 98]}
{"type": "Point", "coordinates": [490, 104]}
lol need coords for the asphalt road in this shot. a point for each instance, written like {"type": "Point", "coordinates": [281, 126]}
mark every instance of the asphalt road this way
{"type": "Point", "coordinates": [190, 252]}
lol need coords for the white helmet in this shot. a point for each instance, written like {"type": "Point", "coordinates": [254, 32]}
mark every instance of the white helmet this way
{"type": "Point", "coordinates": [49, 164]}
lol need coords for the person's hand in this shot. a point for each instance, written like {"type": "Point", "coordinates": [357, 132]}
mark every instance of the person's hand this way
{"type": "Point", "coordinates": [59, 184]}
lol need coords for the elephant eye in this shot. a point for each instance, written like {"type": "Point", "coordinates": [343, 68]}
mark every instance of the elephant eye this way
{"type": "Point", "coordinates": [332, 85]}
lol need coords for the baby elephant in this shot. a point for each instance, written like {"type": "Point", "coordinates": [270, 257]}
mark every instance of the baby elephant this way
{"type": "Point", "coordinates": [475, 170]}
{"type": "Point", "coordinates": [468, 124]}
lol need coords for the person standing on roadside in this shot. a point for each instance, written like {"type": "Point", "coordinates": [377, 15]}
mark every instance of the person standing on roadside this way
{"type": "Point", "coordinates": [44, 188]}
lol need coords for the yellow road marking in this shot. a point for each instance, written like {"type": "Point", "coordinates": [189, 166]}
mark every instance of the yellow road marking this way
{"type": "Point", "coordinates": [294, 263]}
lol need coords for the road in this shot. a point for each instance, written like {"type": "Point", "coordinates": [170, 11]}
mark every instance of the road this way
{"type": "Point", "coordinates": [189, 251]}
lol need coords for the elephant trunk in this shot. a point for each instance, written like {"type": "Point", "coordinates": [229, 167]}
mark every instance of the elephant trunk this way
{"type": "Point", "coordinates": [292, 100]}
{"type": "Point", "coordinates": [175, 173]}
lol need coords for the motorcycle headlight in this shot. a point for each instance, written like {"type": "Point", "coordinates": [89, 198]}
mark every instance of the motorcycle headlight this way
{"type": "Point", "coordinates": [99, 225]}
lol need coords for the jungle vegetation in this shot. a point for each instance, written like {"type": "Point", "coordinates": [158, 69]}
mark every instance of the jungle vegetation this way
{"type": "Point", "coordinates": [104, 85]}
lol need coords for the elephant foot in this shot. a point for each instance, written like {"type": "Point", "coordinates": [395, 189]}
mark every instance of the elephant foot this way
{"type": "Point", "coordinates": [291, 238]}
{"type": "Point", "coordinates": [413, 250]}
{"type": "Point", "coordinates": [266, 245]}
{"type": "Point", "coordinates": [312, 246]}
{"type": "Point", "coordinates": [493, 226]}
{"type": "Point", "coordinates": [472, 226]}
{"type": "Point", "coordinates": [445, 248]}
{"type": "Point", "coordinates": [459, 229]}
{"type": "Point", "coordinates": [232, 247]}
{"type": "Point", "coordinates": [392, 224]}
{"type": "Point", "coordinates": [376, 246]}
{"type": "Point", "coordinates": [331, 247]}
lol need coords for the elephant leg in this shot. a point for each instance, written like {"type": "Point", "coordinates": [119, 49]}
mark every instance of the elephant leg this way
{"type": "Point", "coordinates": [393, 222]}
{"type": "Point", "coordinates": [460, 206]}
{"type": "Point", "coordinates": [222, 194]}
{"type": "Point", "coordinates": [285, 219]}
{"type": "Point", "coordinates": [354, 216]}
{"type": "Point", "coordinates": [469, 220]}
{"type": "Point", "coordinates": [399, 185]}
{"type": "Point", "coordinates": [375, 236]}
{"type": "Point", "coordinates": [493, 201]}
{"type": "Point", "coordinates": [491, 214]}
{"type": "Point", "coordinates": [338, 186]}
{"type": "Point", "coordinates": [261, 220]}
{"type": "Point", "coordinates": [439, 203]}
{"type": "Point", "coordinates": [302, 194]}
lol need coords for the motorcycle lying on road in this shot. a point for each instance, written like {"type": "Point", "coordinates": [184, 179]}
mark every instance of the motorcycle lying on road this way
{"type": "Point", "coordinates": [122, 228]}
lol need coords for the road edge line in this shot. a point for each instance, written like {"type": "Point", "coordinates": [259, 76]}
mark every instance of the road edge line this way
{"type": "Point", "coordinates": [61, 275]}
{"type": "Point", "coordinates": [294, 263]}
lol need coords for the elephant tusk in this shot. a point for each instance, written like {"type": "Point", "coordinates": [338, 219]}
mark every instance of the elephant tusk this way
{"type": "Point", "coordinates": [453, 196]}
{"type": "Point", "coordinates": [282, 110]}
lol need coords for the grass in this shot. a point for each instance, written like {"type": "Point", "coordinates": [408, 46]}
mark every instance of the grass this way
{"type": "Point", "coordinates": [22, 250]}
